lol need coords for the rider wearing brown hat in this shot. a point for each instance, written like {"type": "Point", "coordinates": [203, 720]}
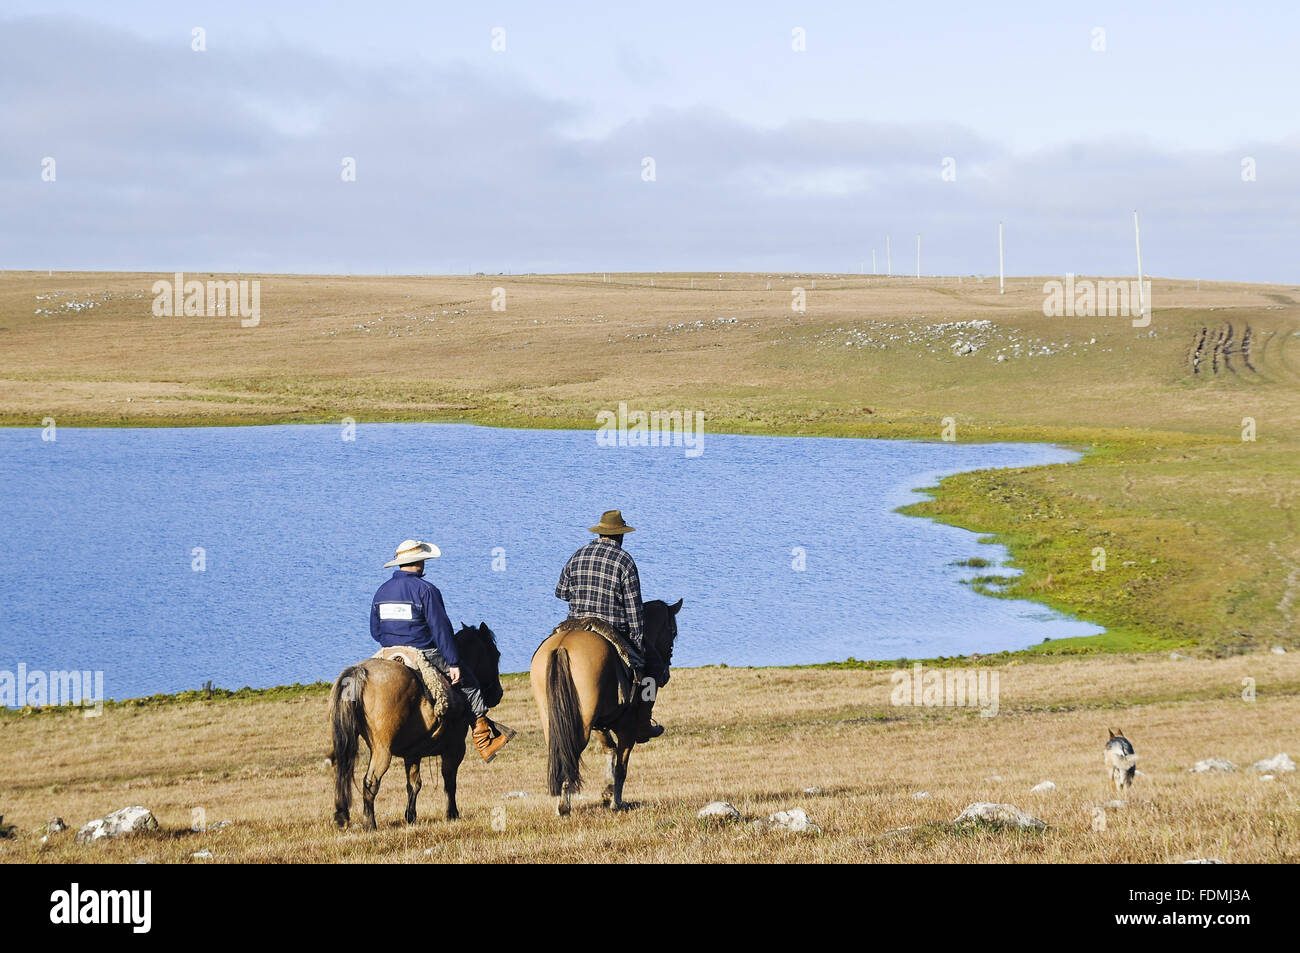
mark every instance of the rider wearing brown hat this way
{"type": "Point", "coordinates": [600, 580]}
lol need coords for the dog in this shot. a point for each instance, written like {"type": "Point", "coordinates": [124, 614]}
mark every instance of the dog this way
{"type": "Point", "coordinates": [1121, 762]}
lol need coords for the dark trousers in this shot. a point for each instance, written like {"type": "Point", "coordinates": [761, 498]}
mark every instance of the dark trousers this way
{"type": "Point", "coordinates": [468, 684]}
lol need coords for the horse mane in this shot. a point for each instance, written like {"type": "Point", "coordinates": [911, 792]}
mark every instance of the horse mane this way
{"type": "Point", "coordinates": [481, 632]}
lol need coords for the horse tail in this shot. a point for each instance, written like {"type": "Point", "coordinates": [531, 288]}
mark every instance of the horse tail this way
{"type": "Point", "coordinates": [346, 716]}
{"type": "Point", "coordinates": [564, 726]}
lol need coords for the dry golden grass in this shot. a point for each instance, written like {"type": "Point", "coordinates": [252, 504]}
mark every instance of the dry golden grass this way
{"type": "Point", "coordinates": [755, 737]}
{"type": "Point", "coordinates": [569, 345]}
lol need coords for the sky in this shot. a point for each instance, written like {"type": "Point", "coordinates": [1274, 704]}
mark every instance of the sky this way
{"type": "Point", "coordinates": [781, 137]}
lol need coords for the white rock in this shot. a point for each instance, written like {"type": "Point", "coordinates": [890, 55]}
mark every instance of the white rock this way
{"type": "Point", "coordinates": [794, 820]}
{"type": "Point", "coordinates": [1278, 650]}
{"type": "Point", "coordinates": [203, 854]}
{"type": "Point", "coordinates": [718, 811]}
{"type": "Point", "coordinates": [1203, 860]}
{"type": "Point", "coordinates": [126, 821]}
{"type": "Point", "coordinates": [1267, 777]}
{"type": "Point", "coordinates": [1278, 764]}
{"type": "Point", "coordinates": [55, 825]}
{"type": "Point", "coordinates": [998, 815]}
{"type": "Point", "coordinates": [812, 790]}
{"type": "Point", "coordinates": [1042, 786]}
{"type": "Point", "coordinates": [1211, 764]}
{"type": "Point", "coordinates": [921, 796]}
{"type": "Point", "coordinates": [511, 795]}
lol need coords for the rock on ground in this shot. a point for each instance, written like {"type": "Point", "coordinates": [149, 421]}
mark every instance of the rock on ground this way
{"type": "Point", "coordinates": [1211, 764]}
{"type": "Point", "coordinates": [1203, 860]}
{"type": "Point", "coordinates": [1042, 786]}
{"type": "Point", "coordinates": [126, 821]}
{"type": "Point", "coordinates": [794, 820]}
{"type": "Point", "coordinates": [998, 815]}
{"type": "Point", "coordinates": [1278, 764]}
{"type": "Point", "coordinates": [718, 811]}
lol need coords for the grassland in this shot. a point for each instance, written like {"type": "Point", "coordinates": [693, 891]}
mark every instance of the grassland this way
{"type": "Point", "coordinates": [759, 738]}
{"type": "Point", "coordinates": [1197, 524]}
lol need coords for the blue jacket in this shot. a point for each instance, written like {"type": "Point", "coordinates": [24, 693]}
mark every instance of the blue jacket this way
{"type": "Point", "coordinates": [407, 610]}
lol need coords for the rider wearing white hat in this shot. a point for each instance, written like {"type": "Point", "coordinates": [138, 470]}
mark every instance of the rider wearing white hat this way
{"type": "Point", "coordinates": [408, 610]}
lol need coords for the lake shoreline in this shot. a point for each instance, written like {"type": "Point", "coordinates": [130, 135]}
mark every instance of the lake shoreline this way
{"type": "Point", "coordinates": [279, 693]}
{"type": "Point", "coordinates": [946, 503]}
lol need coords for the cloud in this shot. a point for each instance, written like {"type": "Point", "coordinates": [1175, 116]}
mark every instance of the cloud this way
{"type": "Point", "coordinates": [230, 161]}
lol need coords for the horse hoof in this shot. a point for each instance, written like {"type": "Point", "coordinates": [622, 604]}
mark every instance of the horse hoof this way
{"type": "Point", "coordinates": [341, 821]}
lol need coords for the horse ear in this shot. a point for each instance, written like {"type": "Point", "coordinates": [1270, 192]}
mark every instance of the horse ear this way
{"type": "Point", "coordinates": [676, 607]}
{"type": "Point", "coordinates": [483, 627]}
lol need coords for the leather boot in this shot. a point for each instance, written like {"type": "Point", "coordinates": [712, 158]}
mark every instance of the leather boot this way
{"type": "Point", "coordinates": [646, 729]}
{"type": "Point", "coordinates": [487, 740]}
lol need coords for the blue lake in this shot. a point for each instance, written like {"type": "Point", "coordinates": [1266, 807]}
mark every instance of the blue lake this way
{"type": "Point", "coordinates": [99, 529]}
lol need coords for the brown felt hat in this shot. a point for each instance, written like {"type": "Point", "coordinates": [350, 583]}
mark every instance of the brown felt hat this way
{"type": "Point", "coordinates": [611, 524]}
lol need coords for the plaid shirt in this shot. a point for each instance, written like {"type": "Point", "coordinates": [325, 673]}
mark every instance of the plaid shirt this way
{"type": "Point", "coordinates": [601, 580]}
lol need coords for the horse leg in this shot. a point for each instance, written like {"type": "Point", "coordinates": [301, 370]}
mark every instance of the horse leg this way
{"type": "Point", "coordinates": [451, 760]}
{"type": "Point", "coordinates": [413, 785]}
{"type": "Point", "coordinates": [611, 762]}
{"type": "Point", "coordinates": [618, 762]}
{"type": "Point", "coordinates": [563, 803]}
{"type": "Point", "coordinates": [380, 757]}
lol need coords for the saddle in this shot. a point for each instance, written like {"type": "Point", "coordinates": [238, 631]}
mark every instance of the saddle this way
{"type": "Point", "coordinates": [436, 687]}
{"type": "Point", "coordinates": [622, 647]}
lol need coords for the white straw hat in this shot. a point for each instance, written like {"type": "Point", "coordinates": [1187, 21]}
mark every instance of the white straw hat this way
{"type": "Point", "coordinates": [413, 551]}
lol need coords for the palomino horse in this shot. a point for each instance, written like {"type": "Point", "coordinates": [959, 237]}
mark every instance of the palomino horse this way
{"type": "Point", "coordinates": [384, 702]}
{"type": "Point", "coordinates": [575, 675]}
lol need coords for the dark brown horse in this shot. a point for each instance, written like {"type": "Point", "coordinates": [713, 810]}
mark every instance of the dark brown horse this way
{"type": "Point", "coordinates": [575, 676]}
{"type": "Point", "coordinates": [384, 702]}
